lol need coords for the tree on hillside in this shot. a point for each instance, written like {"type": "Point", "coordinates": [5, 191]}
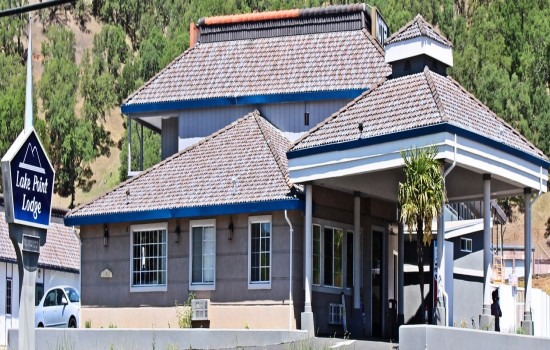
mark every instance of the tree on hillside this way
{"type": "Point", "coordinates": [13, 29]}
{"type": "Point", "coordinates": [421, 197]}
{"type": "Point", "coordinates": [12, 104]}
{"type": "Point", "coordinates": [71, 148]}
{"type": "Point", "coordinates": [12, 101]}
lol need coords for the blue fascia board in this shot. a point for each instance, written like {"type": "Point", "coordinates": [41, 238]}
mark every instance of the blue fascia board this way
{"type": "Point", "coordinates": [240, 100]}
{"type": "Point", "coordinates": [417, 132]}
{"type": "Point", "coordinates": [190, 212]}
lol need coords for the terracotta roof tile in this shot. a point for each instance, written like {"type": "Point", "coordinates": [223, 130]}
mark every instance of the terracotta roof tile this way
{"type": "Point", "coordinates": [416, 28]}
{"type": "Point", "coordinates": [410, 102]}
{"type": "Point", "coordinates": [289, 64]}
{"type": "Point", "coordinates": [242, 163]}
{"type": "Point", "coordinates": [61, 251]}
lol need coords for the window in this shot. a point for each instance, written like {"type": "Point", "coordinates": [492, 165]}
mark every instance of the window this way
{"type": "Point", "coordinates": [332, 254]}
{"type": "Point", "coordinates": [203, 254]}
{"type": "Point", "coordinates": [336, 312]}
{"type": "Point", "coordinates": [148, 255]}
{"type": "Point", "coordinates": [466, 245]}
{"type": "Point", "coordinates": [334, 243]}
{"type": "Point", "coordinates": [259, 252]}
{"type": "Point", "coordinates": [8, 296]}
{"type": "Point", "coordinates": [317, 254]}
{"type": "Point", "coordinates": [349, 260]}
{"type": "Point", "coordinates": [38, 293]}
{"type": "Point", "coordinates": [51, 298]}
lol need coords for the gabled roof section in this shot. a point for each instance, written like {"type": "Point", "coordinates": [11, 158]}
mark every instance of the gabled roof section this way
{"type": "Point", "coordinates": [416, 28]}
{"type": "Point", "coordinates": [243, 163]}
{"type": "Point", "coordinates": [61, 251]}
{"type": "Point", "coordinates": [292, 61]}
{"type": "Point", "coordinates": [411, 102]}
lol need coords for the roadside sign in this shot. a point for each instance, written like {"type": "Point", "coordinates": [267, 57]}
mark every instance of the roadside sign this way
{"type": "Point", "coordinates": [28, 178]}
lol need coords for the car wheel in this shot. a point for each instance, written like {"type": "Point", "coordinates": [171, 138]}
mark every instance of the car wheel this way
{"type": "Point", "coordinates": [72, 322]}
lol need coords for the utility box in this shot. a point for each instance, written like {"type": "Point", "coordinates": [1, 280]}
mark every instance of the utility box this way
{"type": "Point", "coordinates": [199, 313]}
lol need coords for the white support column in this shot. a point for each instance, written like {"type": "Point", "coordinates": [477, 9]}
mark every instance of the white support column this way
{"type": "Point", "coordinates": [307, 315]}
{"type": "Point", "coordinates": [357, 250]}
{"type": "Point", "coordinates": [527, 323]}
{"type": "Point", "coordinates": [485, 319]}
{"type": "Point", "coordinates": [440, 310]}
{"type": "Point", "coordinates": [401, 275]}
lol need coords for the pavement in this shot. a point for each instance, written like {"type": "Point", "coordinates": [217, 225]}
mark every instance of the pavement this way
{"type": "Point", "coordinates": [331, 343]}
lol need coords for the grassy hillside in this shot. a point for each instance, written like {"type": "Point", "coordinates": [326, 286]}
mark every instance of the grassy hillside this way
{"type": "Point", "coordinates": [105, 169]}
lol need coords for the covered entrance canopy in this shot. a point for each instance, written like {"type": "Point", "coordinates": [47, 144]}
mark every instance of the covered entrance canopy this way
{"type": "Point", "coordinates": [358, 149]}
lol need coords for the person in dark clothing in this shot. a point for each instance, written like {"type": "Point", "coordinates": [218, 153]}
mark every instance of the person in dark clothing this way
{"type": "Point", "coordinates": [495, 310]}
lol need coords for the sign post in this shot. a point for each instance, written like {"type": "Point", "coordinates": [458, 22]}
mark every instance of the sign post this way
{"type": "Point", "coordinates": [28, 186]}
{"type": "Point", "coordinates": [28, 178]}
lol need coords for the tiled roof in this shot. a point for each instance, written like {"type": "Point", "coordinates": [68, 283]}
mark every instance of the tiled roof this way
{"type": "Point", "coordinates": [61, 251]}
{"type": "Point", "coordinates": [244, 162]}
{"type": "Point", "coordinates": [316, 62]}
{"type": "Point", "coordinates": [411, 102]}
{"type": "Point", "coordinates": [415, 28]}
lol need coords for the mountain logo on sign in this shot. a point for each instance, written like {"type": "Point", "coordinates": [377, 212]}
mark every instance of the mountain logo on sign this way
{"type": "Point", "coordinates": [33, 162]}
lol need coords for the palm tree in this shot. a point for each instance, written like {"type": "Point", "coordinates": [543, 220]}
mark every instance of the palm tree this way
{"type": "Point", "coordinates": [421, 197]}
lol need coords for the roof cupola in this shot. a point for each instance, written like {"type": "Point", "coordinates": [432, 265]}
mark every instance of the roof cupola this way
{"type": "Point", "coordinates": [417, 45]}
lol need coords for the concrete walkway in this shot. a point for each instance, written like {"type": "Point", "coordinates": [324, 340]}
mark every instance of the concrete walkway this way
{"type": "Point", "coordinates": [331, 343]}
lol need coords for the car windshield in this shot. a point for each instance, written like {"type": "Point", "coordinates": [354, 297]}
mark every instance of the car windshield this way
{"type": "Point", "coordinates": [73, 295]}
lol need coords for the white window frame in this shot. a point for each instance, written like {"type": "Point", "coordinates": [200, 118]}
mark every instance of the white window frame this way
{"type": "Point", "coordinates": [468, 244]}
{"type": "Point", "coordinates": [336, 314]}
{"type": "Point", "coordinates": [204, 285]}
{"type": "Point", "coordinates": [147, 227]}
{"type": "Point", "coordinates": [345, 228]}
{"type": "Point", "coordinates": [320, 255]}
{"type": "Point", "coordinates": [259, 220]}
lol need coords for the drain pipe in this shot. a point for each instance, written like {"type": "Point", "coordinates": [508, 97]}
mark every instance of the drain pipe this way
{"type": "Point", "coordinates": [290, 303]}
{"type": "Point", "coordinates": [441, 249]}
{"type": "Point", "coordinates": [452, 165]}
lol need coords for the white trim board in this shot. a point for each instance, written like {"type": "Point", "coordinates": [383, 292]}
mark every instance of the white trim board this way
{"type": "Point", "coordinates": [471, 155]}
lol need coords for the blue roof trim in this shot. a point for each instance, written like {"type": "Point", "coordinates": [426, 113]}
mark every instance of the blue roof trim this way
{"type": "Point", "coordinates": [422, 131]}
{"type": "Point", "coordinates": [165, 214]}
{"type": "Point", "coordinates": [241, 100]}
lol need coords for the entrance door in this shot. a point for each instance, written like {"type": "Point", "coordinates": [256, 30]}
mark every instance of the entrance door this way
{"type": "Point", "coordinates": [377, 278]}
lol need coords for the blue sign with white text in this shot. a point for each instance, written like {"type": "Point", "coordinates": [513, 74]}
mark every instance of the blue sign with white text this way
{"type": "Point", "coordinates": [31, 183]}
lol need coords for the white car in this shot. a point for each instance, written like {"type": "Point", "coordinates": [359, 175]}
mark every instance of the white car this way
{"type": "Point", "coordinates": [60, 307]}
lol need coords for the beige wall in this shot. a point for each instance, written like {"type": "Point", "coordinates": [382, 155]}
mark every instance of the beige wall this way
{"type": "Point", "coordinates": [221, 316]}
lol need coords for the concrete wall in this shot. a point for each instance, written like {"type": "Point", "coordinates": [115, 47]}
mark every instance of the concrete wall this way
{"type": "Point", "coordinates": [155, 338]}
{"type": "Point", "coordinates": [423, 337]}
{"type": "Point", "coordinates": [101, 295]}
